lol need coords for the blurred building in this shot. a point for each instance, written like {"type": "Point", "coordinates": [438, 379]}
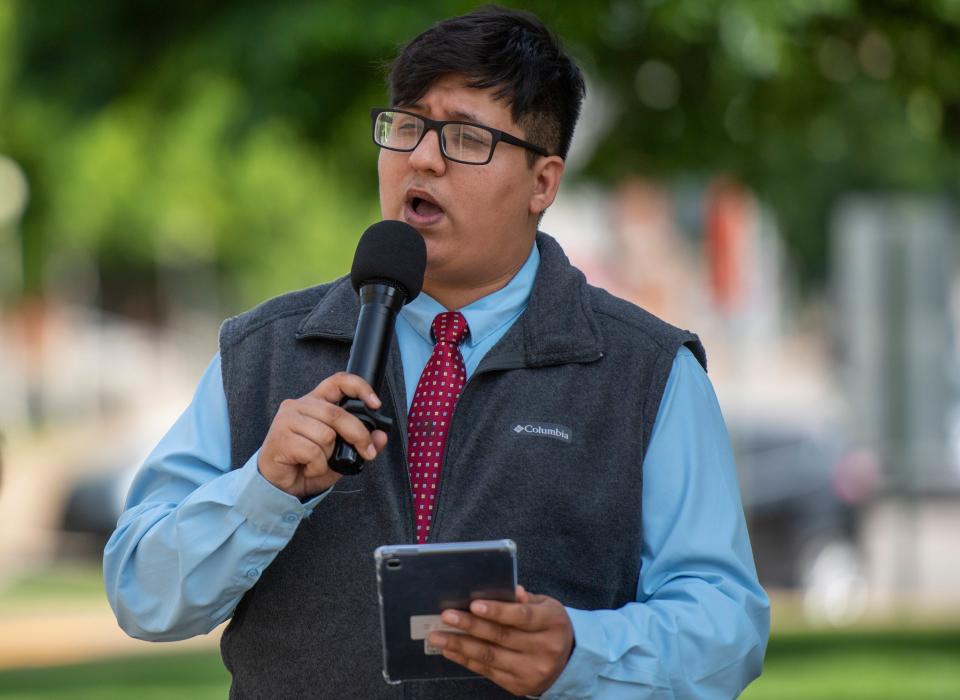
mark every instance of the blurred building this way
{"type": "Point", "coordinates": [895, 269]}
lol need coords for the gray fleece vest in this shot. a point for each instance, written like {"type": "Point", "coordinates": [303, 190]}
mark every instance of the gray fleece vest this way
{"type": "Point", "coordinates": [583, 369]}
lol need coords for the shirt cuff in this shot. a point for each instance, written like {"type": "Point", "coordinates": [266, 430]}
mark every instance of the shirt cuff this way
{"type": "Point", "coordinates": [582, 667]}
{"type": "Point", "coordinates": [591, 658]}
{"type": "Point", "coordinates": [264, 505]}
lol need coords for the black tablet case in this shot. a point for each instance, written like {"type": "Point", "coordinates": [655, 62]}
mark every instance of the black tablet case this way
{"type": "Point", "coordinates": [427, 579]}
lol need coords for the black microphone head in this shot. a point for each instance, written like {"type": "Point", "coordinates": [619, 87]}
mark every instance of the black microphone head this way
{"type": "Point", "coordinates": [390, 252]}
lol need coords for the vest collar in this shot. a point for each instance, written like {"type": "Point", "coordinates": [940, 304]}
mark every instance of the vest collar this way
{"type": "Point", "coordinates": [557, 327]}
{"type": "Point", "coordinates": [335, 316]}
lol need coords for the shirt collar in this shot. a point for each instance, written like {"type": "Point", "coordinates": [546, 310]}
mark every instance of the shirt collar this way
{"type": "Point", "coordinates": [485, 315]}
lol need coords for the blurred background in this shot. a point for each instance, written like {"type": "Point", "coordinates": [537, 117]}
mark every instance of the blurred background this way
{"type": "Point", "coordinates": [781, 177]}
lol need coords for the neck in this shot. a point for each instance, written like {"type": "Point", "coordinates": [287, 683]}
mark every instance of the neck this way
{"type": "Point", "coordinates": [454, 297]}
{"type": "Point", "coordinates": [454, 292]}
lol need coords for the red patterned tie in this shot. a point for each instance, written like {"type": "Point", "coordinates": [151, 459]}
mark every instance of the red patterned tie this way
{"type": "Point", "coordinates": [429, 423]}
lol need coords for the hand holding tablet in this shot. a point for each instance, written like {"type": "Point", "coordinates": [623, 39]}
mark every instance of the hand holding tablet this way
{"type": "Point", "coordinates": [418, 582]}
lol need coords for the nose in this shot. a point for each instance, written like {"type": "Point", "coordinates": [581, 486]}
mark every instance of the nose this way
{"type": "Point", "coordinates": [427, 155]}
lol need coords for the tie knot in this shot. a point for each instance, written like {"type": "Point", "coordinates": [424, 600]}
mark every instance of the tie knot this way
{"type": "Point", "coordinates": [450, 327]}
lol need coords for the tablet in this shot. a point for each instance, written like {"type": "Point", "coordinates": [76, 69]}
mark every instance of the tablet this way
{"type": "Point", "coordinates": [417, 582]}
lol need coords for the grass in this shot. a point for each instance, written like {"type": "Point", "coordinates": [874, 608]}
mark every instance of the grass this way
{"type": "Point", "coordinates": [197, 676]}
{"type": "Point", "coordinates": [861, 666]}
{"type": "Point", "coordinates": [836, 666]}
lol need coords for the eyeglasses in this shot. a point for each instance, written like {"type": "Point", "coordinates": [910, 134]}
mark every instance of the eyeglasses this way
{"type": "Point", "coordinates": [463, 142]}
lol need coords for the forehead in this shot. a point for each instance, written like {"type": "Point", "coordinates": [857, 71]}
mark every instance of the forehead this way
{"type": "Point", "coordinates": [449, 97]}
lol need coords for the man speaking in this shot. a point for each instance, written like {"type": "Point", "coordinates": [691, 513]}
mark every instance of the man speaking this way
{"type": "Point", "coordinates": [618, 487]}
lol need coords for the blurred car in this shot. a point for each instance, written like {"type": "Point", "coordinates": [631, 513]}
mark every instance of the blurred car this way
{"type": "Point", "coordinates": [95, 498]}
{"type": "Point", "coordinates": [93, 505]}
{"type": "Point", "coordinates": [803, 491]}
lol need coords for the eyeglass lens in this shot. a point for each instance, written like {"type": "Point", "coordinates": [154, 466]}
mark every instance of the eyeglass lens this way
{"type": "Point", "coordinates": [403, 132]}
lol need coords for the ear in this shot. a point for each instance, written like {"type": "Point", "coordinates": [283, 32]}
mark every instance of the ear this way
{"type": "Point", "coordinates": [547, 173]}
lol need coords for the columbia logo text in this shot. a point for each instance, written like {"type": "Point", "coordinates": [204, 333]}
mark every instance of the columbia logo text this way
{"type": "Point", "coordinates": [548, 430]}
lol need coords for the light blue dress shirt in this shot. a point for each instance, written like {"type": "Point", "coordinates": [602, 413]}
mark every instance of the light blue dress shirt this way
{"type": "Point", "coordinates": [195, 536]}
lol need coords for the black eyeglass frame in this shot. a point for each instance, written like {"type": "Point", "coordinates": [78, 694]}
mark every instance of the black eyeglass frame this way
{"type": "Point", "coordinates": [437, 125]}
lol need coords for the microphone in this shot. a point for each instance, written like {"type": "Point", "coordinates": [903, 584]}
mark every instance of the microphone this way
{"type": "Point", "coordinates": [387, 273]}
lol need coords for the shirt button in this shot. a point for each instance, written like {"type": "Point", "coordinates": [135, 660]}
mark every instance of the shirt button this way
{"type": "Point", "coordinates": [253, 573]}
{"type": "Point", "coordinates": [290, 517]}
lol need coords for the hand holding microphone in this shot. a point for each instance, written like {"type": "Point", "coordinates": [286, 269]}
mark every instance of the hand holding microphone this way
{"type": "Point", "coordinates": [332, 430]}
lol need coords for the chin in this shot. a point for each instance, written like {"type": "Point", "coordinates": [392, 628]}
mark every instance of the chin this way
{"type": "Point", "coordinates": [439, 264]}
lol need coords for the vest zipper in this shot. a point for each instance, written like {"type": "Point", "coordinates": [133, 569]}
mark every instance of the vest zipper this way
{"type": "Point", "coordinates": [483, 368]}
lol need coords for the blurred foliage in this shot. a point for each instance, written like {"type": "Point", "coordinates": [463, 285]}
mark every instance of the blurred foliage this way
{"type": "Point", "coordinates": [233, 135]}
{"type": "Point", "coordinates": [805, 100]}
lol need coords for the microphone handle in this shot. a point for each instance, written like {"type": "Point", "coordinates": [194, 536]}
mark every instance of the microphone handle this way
{"type": "Point", "coordinates": [379, 305]}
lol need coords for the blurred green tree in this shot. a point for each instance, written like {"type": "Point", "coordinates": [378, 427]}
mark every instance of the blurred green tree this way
{"type": "Point", "coordinates": [234, 134]}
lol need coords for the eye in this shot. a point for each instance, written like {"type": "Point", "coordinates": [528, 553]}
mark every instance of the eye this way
{"type": "Point", "coordinates": [404, 124]}
{"type": "Point", "coordinates": [471, 136]}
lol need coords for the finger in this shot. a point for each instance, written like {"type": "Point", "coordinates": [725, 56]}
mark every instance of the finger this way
{"type": "Point", "coordinates": [479, 653]}
{"type": "Point", "coordinates": [319, 467]}
{"type": "Point", "coordinates": [321, 434]}
{"type": "Point", "coordinates": [501, 635]}
{"type": "Point", "coordinates": [341, 385]}
{"type": "Point", "coordinates": [300, 450]}
{"type": "Point", "coordinates": [379, 439]}
{"type": "Point", "coordinates": [344, 423]}
{"type": "Point", "coordinates": [524, 616]}
{"type": "Point", "coordinates": [504, 679]}
{"type": "Point", "coordinates": [522, 595]}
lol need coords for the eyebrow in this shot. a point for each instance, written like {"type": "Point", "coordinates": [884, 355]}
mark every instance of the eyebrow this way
{"type": "Point", "coordinates": [457, 114]}
{"type": "Point", "coordinates": [466, 116]}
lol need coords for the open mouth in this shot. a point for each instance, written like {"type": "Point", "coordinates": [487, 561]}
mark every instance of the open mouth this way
{"type": "Point", "coordinates": [420, 210]}
{"type": "Point", "coordinates": [423, 207]}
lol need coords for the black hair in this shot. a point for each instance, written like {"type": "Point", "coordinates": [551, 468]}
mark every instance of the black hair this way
{"type": "Point", "coordinates": [510, 50]}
